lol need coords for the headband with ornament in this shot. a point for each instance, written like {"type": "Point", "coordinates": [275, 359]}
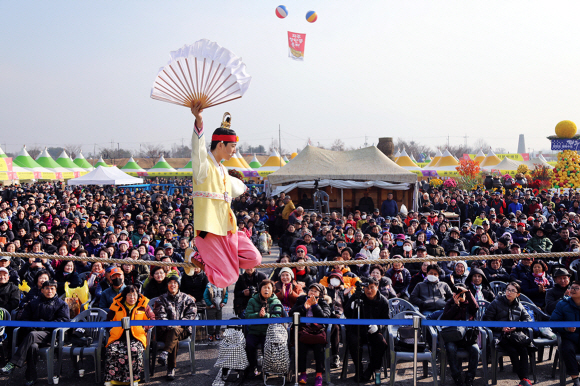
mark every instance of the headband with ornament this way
{"type": "Point", "coordinates": [226, 122]}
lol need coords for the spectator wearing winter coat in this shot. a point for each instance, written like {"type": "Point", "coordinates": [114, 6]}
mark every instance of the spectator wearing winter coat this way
{"type": "Point", "coordinates": [288, 238]}
{"type": "Point", "coordinates": [433, 247]}
{"type": "Point", "coordinates": [12, 273]}
{"type": "Point", "coordinates": [173, 305]}
{"type": "Point", "coordinates": [562, 244]}
{"type": "Point", "coordinates": [286, 289]}
{"type": "Point", "coordinates": [431, 294]}
{"type": "Point", "coordinates": [568, 310]}
{"type": "Point", "coordinates": [374, 306]}
{"type": "Point", "coordinates": [260, 306]}
{"type": "Point", "coordinates": [215, 300]}
{"type": "Point", "coordinates": [194, 285]}
{"type": "Point", "coordinates": [521, 236]}
{"type": "Point", "coordinates": [246, 287]}
{"type": "Point", "coordinates": [157, 284]}
{"type": "Point", "coordinates": [522, 269]}
{"type": "Point", "coordinates": [539, 242]}
{"type": "Point", "coordinates": [389, 207]}
{"type": "Point", "coordinates": [31, 268]}
{"type": "Point", "coordinates": [509, 308]}
{"type": "Point", "coordinates": [312, 304]}
{"type": "Point", "coordinates": [560, 289]}
{"type": "Point", "coordinates": [479, 286]}
{"type": "Point", "coordinates": [47, 307]}
{"type": "Point", "coordinates": [536, 282]}
{"type": "Point", "coordinates": [65, 273]}
{"type": "Point", "coordinates": [420, 276]}
{"type": "Point", "coordinates": [9, 292]}
{"type": "Point", "coordinates": [495, 272]}
{"type": "Point", "coordinates": [385, 283]}
{"type": "Point", "coordinates": [453, 241]}
{"type": "Point", "coordinates": [459, 274]}
{"type": "Point", "coordinates": [302, 274]}
{"type": "Point", "coordinates": [117, 286]}
{"type": "Point", "coordinates": [401, 279]}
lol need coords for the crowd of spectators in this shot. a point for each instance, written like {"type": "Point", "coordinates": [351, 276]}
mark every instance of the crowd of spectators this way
{"type": "Point", "coordinates": [156, 226]}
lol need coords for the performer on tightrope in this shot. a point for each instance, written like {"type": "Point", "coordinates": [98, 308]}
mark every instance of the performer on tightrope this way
{"type": "Point", "coordinates": [221, 249]}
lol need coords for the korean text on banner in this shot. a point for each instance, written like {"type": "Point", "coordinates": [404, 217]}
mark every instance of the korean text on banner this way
{"type": "Point", "coordinates": [296, 42]}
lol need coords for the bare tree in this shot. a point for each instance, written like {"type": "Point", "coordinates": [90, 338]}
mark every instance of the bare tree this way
{"type": "Point", "coordinates": [34, 151]}
{"type": "Point", "coordinates": [73, 150]}
{"type": "Point", "coordinates": [413, 147]}
{"type": "Point", "coordinates": [274, 146]}
{"type": "Point", "coordinates": [178, 151]}
{"type": "Point", "coordinates": [149, 150]}
{"type": "Point", "coordinates": [337, 145]}
{"type": "Point", "coordinates": [500, 150]}
{"type": "Point", "coordinates": [482, 144]}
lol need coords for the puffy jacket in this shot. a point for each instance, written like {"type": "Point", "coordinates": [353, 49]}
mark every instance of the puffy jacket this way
{"type": "Point", "coordinates": [47, 310]}
{"type": "Point", "coordinates": [531, 289]}
{"type": "Point", "coordinates": [567, 311]}
{"type": "Point", "coordinates": [108, 296]}
{"type": "Point", "coordinates": [450, 243]}
{"type": "Point", "coordinates": [175, 307]}
{"type": "Point", "coordinates": [486, 290]}
{"type": "Point", "coordinates": [501, 310]}
{"type": "Point", "coordinates": [9, 296]}
{"type": "Point", "coordinates": [431, 296]}
{"type": "Point", "coordinates": [194, 285]}
{"type": "Point", "coordinates": [320, 310]}
{"type": "Point", "coordinates": [348, 278]}
{"type": "Point", "coordinates": [553, 296]}
{"type": "Point", "coordinates": [253, 312]}
{"type": "Point", "coordinates": [540, 245]}
{"type": "Point", "coordinates": [141, 311]}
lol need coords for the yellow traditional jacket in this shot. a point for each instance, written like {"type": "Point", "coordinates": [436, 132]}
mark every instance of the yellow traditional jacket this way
{"type": "Point", "coordinates": [212, 192]}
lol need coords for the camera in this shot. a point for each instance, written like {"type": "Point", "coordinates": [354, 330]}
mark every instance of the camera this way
{"type": "Point", "coordinates": [253, 290]}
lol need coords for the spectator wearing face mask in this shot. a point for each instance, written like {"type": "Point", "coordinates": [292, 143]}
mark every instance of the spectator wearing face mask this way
{"type": "Point", "coordinates": [117, 286]}
{"type": "Point", "coordinates": [431, 294]}
{"type": "Point", "coordinates": [401, 279]}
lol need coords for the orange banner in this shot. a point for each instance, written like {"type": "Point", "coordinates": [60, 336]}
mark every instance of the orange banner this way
{"type": "Point", "coordinates": [296, 42]}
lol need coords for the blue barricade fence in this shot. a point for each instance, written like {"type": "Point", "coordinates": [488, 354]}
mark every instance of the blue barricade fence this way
{"type": "Point", "coordinates": [243, 322]}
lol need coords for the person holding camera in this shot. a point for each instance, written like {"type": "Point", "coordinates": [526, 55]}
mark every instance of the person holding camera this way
{"type": "Point", "coordinates": [512, 340]}
{"type": "Point", "coordinates": [462, 306]}
{"type": "Point", "coordinates": [312, 336]}
{"type": "Point", "coordinates": [245, 288]}
{"type": "Point", "coordinates": [366, 303]}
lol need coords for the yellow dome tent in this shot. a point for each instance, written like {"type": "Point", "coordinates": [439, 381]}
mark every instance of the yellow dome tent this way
{"type": "Point", "coordinates": [434, 160]}
{"type": "Point", "coordinates": [490, 160]}
{"type": "Point", "coordinates": [480, 156]}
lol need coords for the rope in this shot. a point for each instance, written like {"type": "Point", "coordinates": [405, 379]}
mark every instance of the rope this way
{"type": "Point", "coordinates": [295, 264]}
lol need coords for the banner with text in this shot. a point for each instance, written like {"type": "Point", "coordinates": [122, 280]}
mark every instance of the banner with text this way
{"type": "Point", "coordinates": [296, 42]}
{"type": "Point", "coordinates": [515, 156]}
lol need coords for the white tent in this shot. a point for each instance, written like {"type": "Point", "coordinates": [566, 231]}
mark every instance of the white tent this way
{"type": "Point", "coordinates": [106, 176]}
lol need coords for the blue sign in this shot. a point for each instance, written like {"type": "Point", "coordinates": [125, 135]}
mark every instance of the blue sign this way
{"type": "Point", "coordinates": [566, 144]}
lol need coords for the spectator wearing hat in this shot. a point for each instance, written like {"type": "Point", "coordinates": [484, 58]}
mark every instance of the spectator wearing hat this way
{"type": "Point", "coordinates": [459, 274]}
{"type": "Point", "coordinates": [466, 234]}
{"type": "Point", "coordinates": [286, 289]}
{"type": "Point", "coordinates": [312, 304]}
{"type": "Point", "coordinates": [453, 241]}
{"type": "Point", "coordinates": [173, 305]}
{"type": "Point", "coordinates": [433, 247]}
{"type": "Point", "coordinates": [9, 292]}
{"type": "Point", "coordinates": [397, 227]}
{"type": "Point", "coordinates": [362, 268]}
{"type": "Point", "coordinates": [374, 306]}
{"type": "Point", "coordinates": [453, 208]}
{"type": "Point", "coordinates": [539, 242]}
{"type": "Point", "coordinates": [560, 289]}
{"type": "Point", "coordinates": [245, 288]}
{"type": "Point", "coordinates": [310, 243]}
{"type": "Point", "coordinates": [48, 307]}
{"type": "Point", "coordinates": [12, 273]}
{"type": "Point", "coordinates": [117, 285]}
{"type": "Point", "coordinates": [288, 239]}
{"type": "Point", "coordinates": [170, 251]}
{"type": "Point", "coordinates": [348, 278]}
{"type": "Point", "coordinates": [215, 300]}
{"type": "Point", "coordinates": [302, 274]}
{"type": "Point", "coordinates": [521, 236]}
{"type": "Point", "coordinates": [398, 245]}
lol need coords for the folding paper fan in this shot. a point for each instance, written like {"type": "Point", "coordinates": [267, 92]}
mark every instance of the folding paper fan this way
{"type": "Point", "coordinates": [202, 72]}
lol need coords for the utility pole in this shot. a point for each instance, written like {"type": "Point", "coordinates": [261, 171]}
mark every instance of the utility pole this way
{"type": "Point", "coordinates": [94, 152]}
{"type": "Point", "coordinates": [280, 144]}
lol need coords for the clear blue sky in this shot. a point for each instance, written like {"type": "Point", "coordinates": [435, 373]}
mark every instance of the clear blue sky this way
{"type": "Point", "coordinates": [81, 71]}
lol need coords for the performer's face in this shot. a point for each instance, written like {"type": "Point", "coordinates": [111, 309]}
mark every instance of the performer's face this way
{"type": "Point", "coordinates": [226, 151]}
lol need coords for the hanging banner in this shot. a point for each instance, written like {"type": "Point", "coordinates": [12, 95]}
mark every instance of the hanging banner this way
{"type": "Point", "coordinates": [296, 42]}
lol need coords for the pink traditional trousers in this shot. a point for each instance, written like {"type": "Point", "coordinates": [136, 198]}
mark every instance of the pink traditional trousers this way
{"type": "Point", "coordinates": [223, 256]}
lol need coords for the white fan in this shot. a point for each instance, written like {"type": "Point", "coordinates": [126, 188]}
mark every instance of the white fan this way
{"type": "Point", "coordinates": [202, 72]}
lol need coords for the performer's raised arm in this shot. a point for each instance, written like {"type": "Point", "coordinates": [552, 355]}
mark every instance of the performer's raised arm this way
{"type": "Point", "coordinates": [199, 161]}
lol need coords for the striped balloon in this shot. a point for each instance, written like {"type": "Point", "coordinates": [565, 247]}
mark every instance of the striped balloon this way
{"type": "Point", "coordinates": [281, 11]}
{"type": "Point", "coordinates": [311, 16]}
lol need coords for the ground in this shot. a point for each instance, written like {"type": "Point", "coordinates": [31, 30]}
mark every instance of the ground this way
{"type": "Point", "coordinates": [206, 354]}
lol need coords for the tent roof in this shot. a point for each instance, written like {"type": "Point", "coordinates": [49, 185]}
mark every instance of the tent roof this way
{"type": "Point", "coordinates": [45, 160]}
{"type": "Point", "coordinates": [65, 161]}
{"type": "Point", "coordinates": [480, 156]}
{"type": "Point", "coordinates": [435, 159]}
{"type": "Point", "coordinates": [404, 160]}
{"type": "Point", "coordinates": [2, 154]}
{"type": "Point", "coordinates": [273, 161]}
{"type": "Point", "coordinates": [367, 164]}
{"type": "Point", "coordinates": [162, 166]}
{"type": "Point", "coordinates": [254, 163]}
{"type": "Point", "coordinates": [242, 160]}
{"type": "Point", "coordinates": [447, 159]}
{"type": "Point", "coordinates": [24, 160]}
{"type": "Point", "coordinates": [187, 168]}
{"type": "Point", "coordinates": [132, 166]}
{"type": "Point", "coordinates": [82, 162]}
{"type": "Point", "coordinates": [234, 163]}
{"type": "Point", "coordinates": [293, 155]}
{"type": "Point", "coordinates": [531, 164]}
{"type": "Point", "coordinates": [490, 160]}
{"type": "Point", "coordinates": [106, 176]}
{"type": "Point", "coordinates": [505, 164]}
{"type": "Point", "coordinates": [285, 159]}
{"type": "Point", "coordinates": [101, 162]}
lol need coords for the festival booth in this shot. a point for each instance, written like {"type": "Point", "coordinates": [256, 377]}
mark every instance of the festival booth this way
{"type": "Point", "coordinates": [434, 161]}
{"type": "Point", "coordinates": [28, 164]}
{"type": "Point", "coordinates": [133, 169]}
{"type": "Point", "coordinates": [506, 166]}
{"type": "Point", "coordinates": [106, 176]}
{"type": "Point", "coordinates": [161, 169]}
{"type": "Point", "coordinates": [46, 161]}
{"type": "Point", "coordinates": [345, 176]}
{"type": "Point", "coordinates": [254, 163]}
{"type": "Point", "coordinates": [407, 163]}
{"type": "Point", "coordinates": [187, 170]}
{"type": "Point", "coordinates": [479, 157]}
{"type": "Point", "coordinates": [66, 162]}
{"type": "Point", "coordinates": [292, 155]}
{"type": "Point", "coordinates": [490, 160]}
{"type": "Point", "coordinates": [101, 162]}
{"type": "Point", "coordinates": [82, 162]}
{"type": "Point", "coordinates": [272, 164]}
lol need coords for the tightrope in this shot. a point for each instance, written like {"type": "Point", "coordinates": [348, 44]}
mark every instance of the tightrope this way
{"type": "Point", "coordinates": [296, 264]}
